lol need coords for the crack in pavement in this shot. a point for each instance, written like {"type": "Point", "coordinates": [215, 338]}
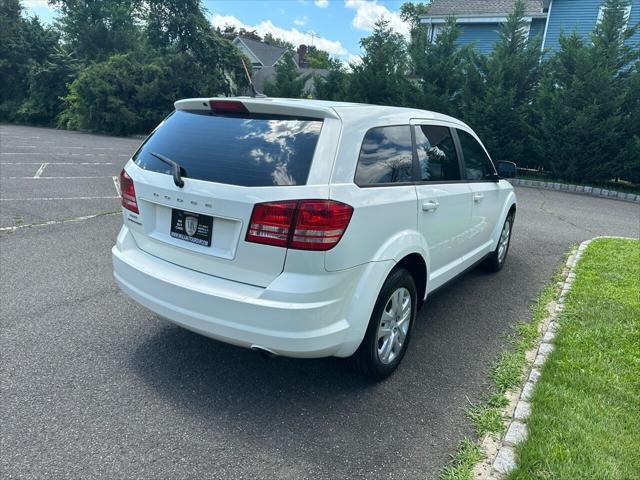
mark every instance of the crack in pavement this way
{"type": "Point", "coordinates": [57, 222]}
{"type": "Point", "coordinates": [559, 217]}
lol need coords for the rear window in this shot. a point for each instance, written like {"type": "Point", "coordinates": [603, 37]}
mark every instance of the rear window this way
{"type": "Point", "coordinates": [251, 151]}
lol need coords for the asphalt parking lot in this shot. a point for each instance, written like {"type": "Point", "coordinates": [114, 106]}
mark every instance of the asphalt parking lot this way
{"type": "Point", "coordinates": [92, 385]}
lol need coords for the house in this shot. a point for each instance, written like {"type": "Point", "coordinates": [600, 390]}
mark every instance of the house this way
{"type": "Point", "coordinates": [265, 57]}
{"type": "Point", "coordinates": [480, 20]}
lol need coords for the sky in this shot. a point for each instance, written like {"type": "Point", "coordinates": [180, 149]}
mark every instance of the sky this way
{"type": "Point", "coordinates": [332, 25]}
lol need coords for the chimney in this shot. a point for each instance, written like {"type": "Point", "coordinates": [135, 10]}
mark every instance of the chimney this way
{"type": "Point", "coordinates": [302, 53]}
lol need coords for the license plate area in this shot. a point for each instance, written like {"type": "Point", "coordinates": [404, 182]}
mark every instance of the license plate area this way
{"type": "Point", "coordinates": [191, 227]}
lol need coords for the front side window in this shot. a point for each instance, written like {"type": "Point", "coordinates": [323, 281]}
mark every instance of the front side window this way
{"type": "Point", "coordinates": [385, 156]}
{"type": "Point", "coordinates": [477, 164]}
{"type": "Point", "coordinates": [436, 154]}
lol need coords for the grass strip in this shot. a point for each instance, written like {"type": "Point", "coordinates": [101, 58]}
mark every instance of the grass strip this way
{"type": "Point", "coordinates": [506, 373]}
{"type": "Point", "coordinates": [585, 420]}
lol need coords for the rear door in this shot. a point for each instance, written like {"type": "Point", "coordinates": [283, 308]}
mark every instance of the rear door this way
{"type": "Point", "coordinates": [443, 199]}
{"type": "Point", "coordinates": [485, 192]}
{"type": "Point", "coordinates": [229, 163]}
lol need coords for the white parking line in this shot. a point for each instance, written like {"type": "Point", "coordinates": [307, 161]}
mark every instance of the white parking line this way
{"type": "Point", "coordinates": [116, 183]}
{"type": "Point", "coordinates": [58, 163]}
{"type": "Point", "coordinates": [40, 170]}
{"type": "Point", "coordinates": [54, 178]}
{"type": "Point", "coordinates": [67, 154]}
{"type": "Point", "coordinates": [55, 222]}
{"type": "Point", "coordinates": [54, 198]}
{"type": "Point", "coordinates": [16, 136]}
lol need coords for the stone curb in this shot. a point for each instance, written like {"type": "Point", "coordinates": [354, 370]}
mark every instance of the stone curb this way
{"type": "Point", "coordinates": [500, 457]}
{"type": "Point", "coordinates": [579, 189]}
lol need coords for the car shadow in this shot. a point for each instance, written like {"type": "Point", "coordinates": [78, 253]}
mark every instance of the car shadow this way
{"type": "Point", "coordinates": [314, 406]}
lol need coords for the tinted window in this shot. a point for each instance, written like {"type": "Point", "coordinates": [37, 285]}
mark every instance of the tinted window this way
{"type": "Point", "coordinates": [436, 154]}
{"type": "Point", "coordinates": [250, 151]}
{"type": "Point", "coordinates": [386, 156]}
{"type": "Point", "coordinates": [477, 164]}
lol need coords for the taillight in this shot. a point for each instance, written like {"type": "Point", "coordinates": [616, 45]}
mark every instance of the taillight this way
{"type": "Point", "coordinates": [128, 192]}
{"type": "Point", "coordinates": [299, 224]}
{"type": "Point", "coordinates": [270, 223]}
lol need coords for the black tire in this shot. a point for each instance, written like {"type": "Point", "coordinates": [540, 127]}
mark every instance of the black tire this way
{"type": "Point", "coordinates": [494, 262]}
{"type": "Point", "coordinates": [368, 358]}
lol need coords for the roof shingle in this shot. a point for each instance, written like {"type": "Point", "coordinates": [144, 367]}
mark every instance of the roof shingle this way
{"type": "Point", "coordinates": [480, 7]}
{"type": "Point", "coordinates": [267, 54]}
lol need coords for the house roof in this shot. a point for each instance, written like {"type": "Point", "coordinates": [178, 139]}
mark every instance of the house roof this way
{"type": "Point", "coordinates": [480, 7]}
{"type": "Point", "coordinates": [266, 53]}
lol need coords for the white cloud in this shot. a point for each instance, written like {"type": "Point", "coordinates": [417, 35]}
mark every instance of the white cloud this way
{"type": "Point", "coordinates": [293, 35]}
{"type": "Point", "coordinates": [322, 3]}
{"type": "Point", "coordinates": [301, 21]}
{"type": "Point", "coordinates": [369, 12]}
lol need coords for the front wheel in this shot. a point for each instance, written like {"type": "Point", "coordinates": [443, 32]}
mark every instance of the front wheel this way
{"type": "Point", "coordinates": [390, 326]}
{"type": "Point", "coordinates": [495, 261]}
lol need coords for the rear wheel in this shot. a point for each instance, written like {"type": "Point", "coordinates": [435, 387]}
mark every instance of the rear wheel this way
{"type": "Point", "coordinates": [495, 261]}
{"type": "Point", "coordinates": [390, 326]}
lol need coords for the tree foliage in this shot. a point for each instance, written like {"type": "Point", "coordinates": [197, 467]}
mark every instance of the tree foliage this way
{"type": "Point", "coordinates": [95, 29]}
{"type": "Point", "coordinates": [588, 107]}
{"type": "Point", "coordinates": [498, 105]}
{"type": "Point", "coordinates": [288, 82]}
{"type": "Point", "coordinates": [381, 75]}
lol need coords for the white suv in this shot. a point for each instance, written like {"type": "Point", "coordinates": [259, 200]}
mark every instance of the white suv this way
{"type": "Point", "coordinates": [306, 228]}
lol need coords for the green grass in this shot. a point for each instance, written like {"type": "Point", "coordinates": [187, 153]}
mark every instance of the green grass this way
{"type": "Point", "coordinates": [468, 454]}
{"type": "Point", "coordinates": [506, 373]}
{"type": "Point", "coordinates": [585, 420]}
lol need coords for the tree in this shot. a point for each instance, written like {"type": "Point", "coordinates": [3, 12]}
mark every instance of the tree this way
{"type": "Point", "coordinates": [381, 76]}
{"type": "Point", "coordinates": [317, 58]}
{"type": "Point", "coordinates": [47, 87]}
{"type": "Point", "coordinates": [334, 85]}
{"type": "Point", "coordinates": [179, 26]}
{"type": "Point", "coordinates": [587, 104]}
{"type": "Point", "coordinates": [94, 29]}
{"type": "Point", "coordinates": [24, 42]}
{"type": "Point", "coordinates": [441, 67]}
{"type": "Point", "coordinates": [497, 97]}
{"type": "Point", "coordinates": [278, 42]}
{"type": "Point", "coordinates": [288, 83]}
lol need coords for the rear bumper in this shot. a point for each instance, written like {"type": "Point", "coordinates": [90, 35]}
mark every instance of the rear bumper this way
{"type": "Point", "coordinates": [322, 322]}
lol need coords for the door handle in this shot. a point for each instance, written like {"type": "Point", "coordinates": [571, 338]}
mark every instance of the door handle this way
{"type": "Point", "coordinates": [478, 197]}
{"type": "Point", "coordinates": [430, 205]}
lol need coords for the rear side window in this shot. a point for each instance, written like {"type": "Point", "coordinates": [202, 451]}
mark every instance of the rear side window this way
{"type": "Point", "coordinates": [385, 156]}
{"type": "Point", "coordinates": [477, 164]}
{"type": "Point", "coordinates": [436, 154]}
{"type": "Point", "coordinates": [251, 151]}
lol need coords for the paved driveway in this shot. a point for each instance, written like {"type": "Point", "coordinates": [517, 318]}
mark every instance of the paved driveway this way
{"type": "Point", "coordinates": [94, 385]}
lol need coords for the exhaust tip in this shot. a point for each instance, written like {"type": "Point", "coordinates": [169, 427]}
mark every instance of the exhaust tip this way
{"type": "Point", "coordinates": [265, 353]}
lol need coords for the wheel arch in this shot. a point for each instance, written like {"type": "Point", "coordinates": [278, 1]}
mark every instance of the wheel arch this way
{"type": "Point", "coordinates": [415, 264]}
{"type": "Point", "coordinates": [510, 205]}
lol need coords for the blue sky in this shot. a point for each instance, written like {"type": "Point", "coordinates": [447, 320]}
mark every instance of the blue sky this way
{"type": "Point", "coordinates": [337, 25]}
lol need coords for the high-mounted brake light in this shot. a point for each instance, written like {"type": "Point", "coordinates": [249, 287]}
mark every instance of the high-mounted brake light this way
{"type": "Point", "coordinates": [299, 224]}
{"type": "Point", "coordinates": [227, 106]}
{"type": "Point", "coordinates": [128, 192]}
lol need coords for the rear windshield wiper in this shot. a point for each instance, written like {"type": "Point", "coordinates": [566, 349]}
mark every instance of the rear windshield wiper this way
{"type": "Point", "coordinates": [177, 177]}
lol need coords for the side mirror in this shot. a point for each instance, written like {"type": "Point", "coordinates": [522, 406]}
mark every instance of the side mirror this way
{"type": "Point", "coordinates": [507, 169]}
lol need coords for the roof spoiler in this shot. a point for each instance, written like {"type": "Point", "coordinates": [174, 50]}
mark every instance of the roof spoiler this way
{"type": "Point", "coordinates": [263, 105]}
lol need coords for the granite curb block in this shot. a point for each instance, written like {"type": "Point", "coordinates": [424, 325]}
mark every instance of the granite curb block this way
{"type": "Point", "coordinates": [579, 189]}
{"type": "Point", "coordinates": [500, 455]}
